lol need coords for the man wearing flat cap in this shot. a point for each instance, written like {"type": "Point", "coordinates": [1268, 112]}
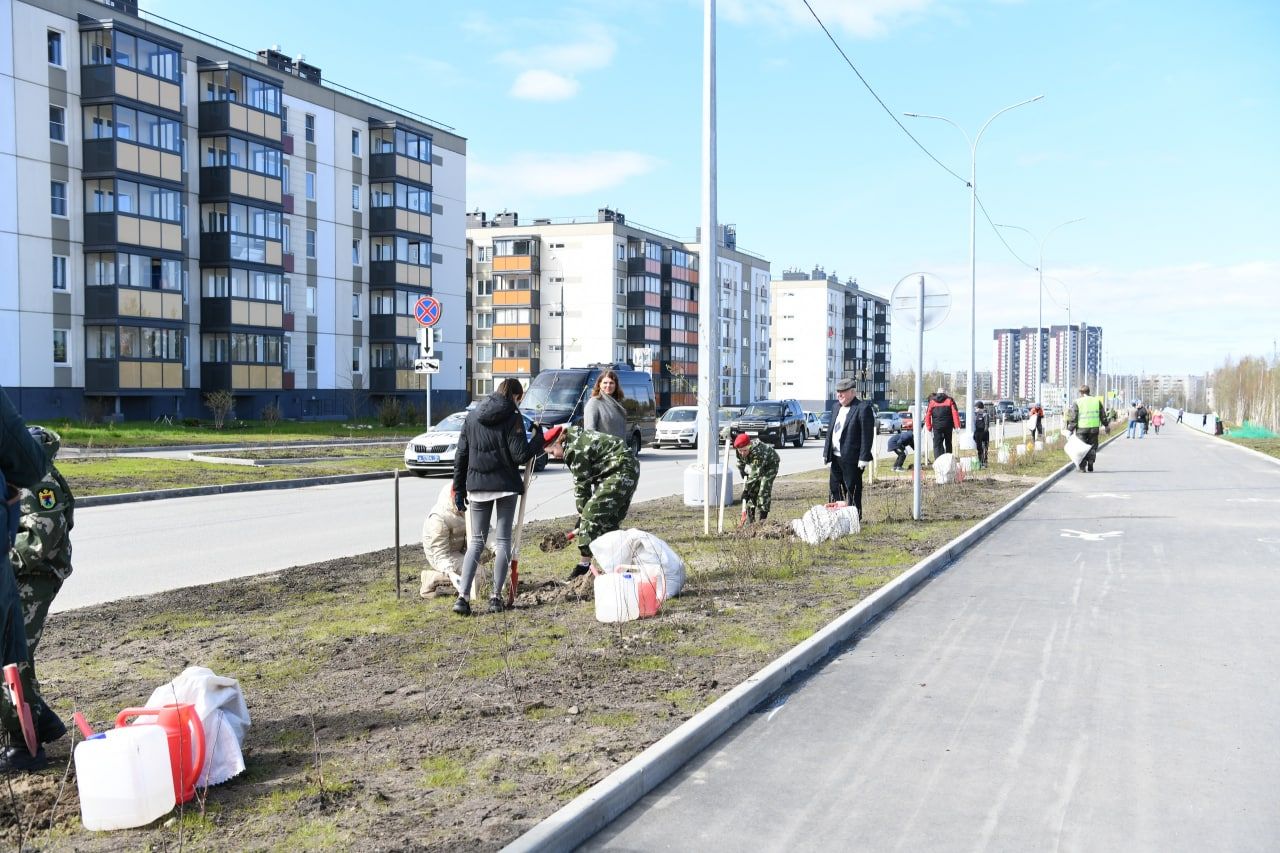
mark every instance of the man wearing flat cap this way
{"type": "Point", "coordinates": [849, 444]}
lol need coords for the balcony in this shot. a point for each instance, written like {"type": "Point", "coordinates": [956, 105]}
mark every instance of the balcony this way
{"type": "Point", "coordinates": [223, 312]}
{"type": "Point", "coordinates": [106, 303]}
{"type": "Point", "coordinates": [223, 116]}
{"type": "Point", "coordinates": [638, 266]}
{"type": "Point", "coordinates": [218, 183]}
{"type": "Point", "coordinates": [519, 298]}
{"type": "Point", "coordinates": [384, 220]}
{"type": "Point", "coordinates": [104, 156]}
{"type": "Point", "coordinates": [516, 263]}
{"type": "Point", "coordinates": [399, 273]}
{"type": "Point", "coordinates": [108, 229]}
{"type": "Point", "coordinates": [125, 376]}
{"type": "Point", "coordinates": [643, 299]}
{"type": "Point", "coordinates": [392, 327]}
{"type": "Point", "coordinates": [388, 380]}
{"type": "Point", "coordinates": [644, 334]}
{"type": "Point", "coordinates": [216, 376]}
{"type": "Point", "coordinates": [391, 165]}
{"type": "Point", "coordinates": [221, 248]}
{"type": "Point", "coordinates": [112, 81]}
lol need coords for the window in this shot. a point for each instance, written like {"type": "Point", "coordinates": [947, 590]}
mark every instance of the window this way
{"type": "Point", "coordinates": [284, 238]}
{"type": "Point", "coordinates": [59, 272]}
{"type": "Point", "coordinates": [355, 252]}
{"type": "Point", "coordinates": [355, 306]}
{"type": "Point", "coordinates": [311, 358]}
{"type": "Point", "coordinates": [60, 354]}
{"type": "Point", "coordinates": [484, 320]}
{"type": "Point", "coordinates": [355, 196]}
{"type": "Point", "coordinates": [285, 361]}
{"type": "Point", "coordinates": [58, 198]}
{"type": "Point", "coordinates": [355, 359]}
{"type": "Point", "coordinates": [311, 185]}
{"type": "Point", "coordinates": [55, 48]}
{"type": "Point", "coordinates": [311, 243]}
{"type": "Point", "coordinates": [309, 125]}
{"type": "Point", "coordinates": [355, 142]}
{"type": "Point", "coordinates": [484, 287]}
{"type": "Point", "coordinates": [311, 303]}
{"type": "Point", "coordinates": [284, 119]}
{"type": "Point", "coordinates": [57, 124]}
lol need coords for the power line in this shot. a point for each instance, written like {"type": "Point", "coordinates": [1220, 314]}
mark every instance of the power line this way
{"type": "Point", "coordinates": [882, 104]}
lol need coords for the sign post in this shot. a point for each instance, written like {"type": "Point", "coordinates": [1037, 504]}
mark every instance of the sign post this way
{"type": "Point", "coordinates": [427, 312]}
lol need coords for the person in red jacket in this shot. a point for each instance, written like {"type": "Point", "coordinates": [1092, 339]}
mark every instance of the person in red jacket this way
{"type": "Point", "coordinates": [941, 418]}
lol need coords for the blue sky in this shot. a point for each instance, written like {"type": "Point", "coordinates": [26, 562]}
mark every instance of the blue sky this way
{"type": "Point", "coordinates": [1159, 127]}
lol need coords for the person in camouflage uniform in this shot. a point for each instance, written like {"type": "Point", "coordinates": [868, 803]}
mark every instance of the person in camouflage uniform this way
{"type": "Point", "coordinates": [758, 466]}
{"type": "Point", "coordinates": [605, 474]}
{"type": "Point", "coordinates": [41, 561]}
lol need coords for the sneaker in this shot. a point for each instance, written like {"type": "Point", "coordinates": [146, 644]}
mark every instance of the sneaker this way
{"type": "Point", "coordinates": [495, 605]}
{"type": "Point", "coordinates": [49, 726]}
{"type": "Point", "coordinates": [1090, 468]}
{"type": "Point", "coordinates": [579, 570]}
{"type": "Point", "coordinates": [16, 759]}
{"type": "Point", "coordinates": [461, 607]}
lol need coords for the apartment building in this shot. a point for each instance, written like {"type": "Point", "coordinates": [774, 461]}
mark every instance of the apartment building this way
{"type": "Point", "coordinates": [1067, 355]}
{"type": "Point", "coordinates": [195, 219]}
{"type": "Point", "coordinates": [825, 329]}
{"type": "Point", "coordinates": [577, 291]}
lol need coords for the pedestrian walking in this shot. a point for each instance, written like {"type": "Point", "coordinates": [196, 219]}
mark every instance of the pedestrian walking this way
{"type": "Point", "coordinates": [1180, 411]}
{"type": "Point", "coordinates": [605, 411]}
{"type": "Point", "coordinates": [1133, 420]}
{"type": "Point", "coordinates": [1144, 416]}
{"type": "Point", "coordinates": [1086, 418]}
{"type": "Point", "coordinates": [941, 418]}
{"type": "Point", "coordinates": [848, 445]}
{"type": "Point", "coordinates": [23, 464]}
{"type": "Point", "coordinates": [981, 432]}
{"type": "Point", "coordinates": [1157, 421]}
{"type": "Point", "coordinates": [758, 466]}
{"type": "Point", "coordinates": [899, 445]}
{"type": "Point", "coordinates": [605, 475]}
{"type": "Point", "coordinates": [488, 475]}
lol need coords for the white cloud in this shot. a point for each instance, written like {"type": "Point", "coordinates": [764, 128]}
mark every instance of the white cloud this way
{"type": "Point", "coordinates": [535, 176]}
{"type": "Point", "coordinates": [546, 70]}
{"type": "Point", "coordinates": [540, 85]}
{"type": "Point", "coordinates": [861, 18]}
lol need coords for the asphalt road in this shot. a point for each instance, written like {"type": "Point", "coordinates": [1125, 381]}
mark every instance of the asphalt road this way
{"type": "Point", "coordinates": [1100, 673]}
{"type": "Point", "coordinates": [143, 548]}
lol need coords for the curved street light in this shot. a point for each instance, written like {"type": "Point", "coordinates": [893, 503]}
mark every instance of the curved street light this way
{"type": "Point", "coordinates": [971, 391]}
{"type": "Point", "coordinates": [1040, 354]}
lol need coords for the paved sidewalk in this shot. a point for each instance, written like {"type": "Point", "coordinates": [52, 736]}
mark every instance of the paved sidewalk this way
{"type": "Point", "coordinates": [1100, 673]}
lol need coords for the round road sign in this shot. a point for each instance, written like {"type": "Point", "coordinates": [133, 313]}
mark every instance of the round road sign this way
{"type": "Point", "coordinates": [427, 311]}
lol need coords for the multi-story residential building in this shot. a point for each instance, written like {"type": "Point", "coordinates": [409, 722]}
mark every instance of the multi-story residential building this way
{"type": "Point", "coordinates": [1068, 355]}
{"type": "Point", "coordinates": [1075, 354]}
{"type": "Point", "coordinates": [744, 321]}
{"type": "Point", "coordinates": [1006, 363]}
{"type": "Point", "coordinates": [212, 221]}
{"type": "Point", "coordinates": [853, 338]}
{"type": "Point", "coordinates": [572, 292]}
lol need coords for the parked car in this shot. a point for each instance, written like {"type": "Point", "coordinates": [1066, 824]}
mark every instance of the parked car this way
{"type": "Point", "coordinates": [776, 421]}
{"type": "Point", "coordinates": [888, 422]}
{"type": "Point", "coordinates": [560, 396]}
{"type": "Point", "coordinates": [677, 427]}
{"type": "Point", "coordinates": [1007, 410]}
{"type": "Point", "coordinates": [906, 423]}
{"type": "Point", "coordinates": [433, 451]}
{"type": "Point", "coordinates": [812, 428]}
{"type": "Point", "coordinates": [824, 423]}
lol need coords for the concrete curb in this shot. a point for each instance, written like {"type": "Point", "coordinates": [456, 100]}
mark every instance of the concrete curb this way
{"type": "Point", "coordinates": [228, 488]}
{"type": "Point", "coordinates": [595, 808]}
{"type": "Point", "coordinates": [269, 445]}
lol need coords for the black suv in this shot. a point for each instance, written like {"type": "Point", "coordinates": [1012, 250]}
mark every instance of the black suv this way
{"type": "Point", "coordinates": [778, 421]}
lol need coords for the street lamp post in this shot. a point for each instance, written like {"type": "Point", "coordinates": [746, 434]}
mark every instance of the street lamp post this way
{"type": "Point", "coordinates": [973, 237]}
{"type": "Point", "coordinates": [1040, 337]}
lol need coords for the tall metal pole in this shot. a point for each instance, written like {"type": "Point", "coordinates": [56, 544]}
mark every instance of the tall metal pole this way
{"type": "Point", "coordinates": [973, 243]}
{"type": "Point", "coordinates": [917, 421]}
{"type": "Point", "coordinates": [709, 275]}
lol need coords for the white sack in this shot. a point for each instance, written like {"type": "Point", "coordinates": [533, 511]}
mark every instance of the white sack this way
{"type": "Point", "coordinates": [944, 469]}
{"type": "Point", "coordinates": [223, 713]}
{"type": "Point", "coordinates": [819, 524]}
{"type": "Point", "coordinates": [1077, 448]}
{"type": "Point", "coordinates": [634, 547]}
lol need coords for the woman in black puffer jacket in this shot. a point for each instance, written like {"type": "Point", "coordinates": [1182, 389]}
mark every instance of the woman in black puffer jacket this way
{"type": "Point", "coordinates": [492, 451]}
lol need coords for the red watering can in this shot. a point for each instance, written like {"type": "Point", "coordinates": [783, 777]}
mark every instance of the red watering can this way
{"type": "Point", "coordinates": [182, 725]}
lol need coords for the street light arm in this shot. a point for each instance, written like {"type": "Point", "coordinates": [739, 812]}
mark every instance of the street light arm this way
{"type": "Point", "coordinates": [1002, 112]}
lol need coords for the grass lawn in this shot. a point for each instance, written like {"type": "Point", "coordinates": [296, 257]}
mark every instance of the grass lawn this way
{"type": "Point", "coordinates": [117, 474]}
{"type": "Point", "coordinates": [1269, 446]}
{"type": "Point", "coordinates": [142, 434]}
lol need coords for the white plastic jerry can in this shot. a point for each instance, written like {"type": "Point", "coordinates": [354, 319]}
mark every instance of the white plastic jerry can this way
{"type": "Point", "coordinates": [124, 777]}
{"type": "Point", "coordinates": [617, 599]}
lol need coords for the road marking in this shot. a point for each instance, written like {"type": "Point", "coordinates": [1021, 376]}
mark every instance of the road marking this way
{"type": "Point", "coordinates": [1109, 495]}
{"type": "Point", "coordinates": [777, 706]}
{"type": "Point", "coordinates": [1089, 537]}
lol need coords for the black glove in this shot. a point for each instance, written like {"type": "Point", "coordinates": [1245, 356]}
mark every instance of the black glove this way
{"type": "Point", "coordinates": [459, 502]}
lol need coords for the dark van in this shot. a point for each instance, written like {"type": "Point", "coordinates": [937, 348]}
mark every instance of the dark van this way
{"type": "Point", "coordinates": [560, 396]}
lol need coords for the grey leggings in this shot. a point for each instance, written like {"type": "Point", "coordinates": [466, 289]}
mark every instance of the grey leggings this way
{"type": "Point", "coordinates": [481, 513]}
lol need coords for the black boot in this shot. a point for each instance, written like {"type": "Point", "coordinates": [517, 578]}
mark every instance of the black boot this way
{"type": "Point", "coordinates": [751, 515]}
{"type": "Point", "coordinates": [461, 607]}
{"type": "Point", "coordinates": [495, 605]}
{"type": "Point", "coordinates": [580, 570]}
{"type": "Point", "coordinates": [763, 515]}
{"type": "Point", "coordinates": [16, 759]}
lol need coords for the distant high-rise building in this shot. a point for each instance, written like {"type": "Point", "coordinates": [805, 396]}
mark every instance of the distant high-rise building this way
{"type": "Point", "coordinates": [825, 329]}
{"type": "Point", "coordinates": [1068, 355]}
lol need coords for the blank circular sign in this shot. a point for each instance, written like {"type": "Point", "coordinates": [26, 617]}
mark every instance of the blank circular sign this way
{"type": "Point", "coordinates": [905, 300]}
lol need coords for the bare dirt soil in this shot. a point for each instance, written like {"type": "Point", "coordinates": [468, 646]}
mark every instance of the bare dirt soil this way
{"type": "Point", "coordinates": [385, 723]}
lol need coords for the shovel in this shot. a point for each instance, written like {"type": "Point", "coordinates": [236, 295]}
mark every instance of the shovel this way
{"type": "Point", "coordinates": [513, 584]}
{"type": "Point", "coordinates": [13, 684]}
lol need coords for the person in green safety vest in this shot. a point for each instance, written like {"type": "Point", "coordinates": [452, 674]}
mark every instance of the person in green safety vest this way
{"type": "Point", "coordinates": [1086, 417]}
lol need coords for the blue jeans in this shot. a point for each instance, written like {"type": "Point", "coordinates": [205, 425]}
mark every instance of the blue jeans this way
{"type": "Point", "coordinates": [1133, 428]}
{"type": "Point", "coordinates": [482, 512]}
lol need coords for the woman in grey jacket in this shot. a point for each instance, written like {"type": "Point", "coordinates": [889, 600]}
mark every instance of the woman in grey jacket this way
{"type": "Point", "coordinates": [604, 412]}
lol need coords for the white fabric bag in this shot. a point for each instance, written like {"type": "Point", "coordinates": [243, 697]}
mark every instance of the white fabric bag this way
{"type": "Point", "coordinates": [223, 713]}
{"type": "Point", "coordinates": [944, 469]}
{"type": "Point", "coordinates": [1077, 449]}
{"type": "Point", "coordinates": [819, 524]}
{"type": "Point", "coordinates": [634, 547]}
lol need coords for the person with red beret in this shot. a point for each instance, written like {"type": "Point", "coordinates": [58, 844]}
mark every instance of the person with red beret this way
{"type": "Point", "coordinates": [758, 466]}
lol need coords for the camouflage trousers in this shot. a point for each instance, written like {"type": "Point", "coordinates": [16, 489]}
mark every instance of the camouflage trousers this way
{"type": "Point", "coordinates": [604, 511]}
{"type": "Point", "coordinates": [758, 495]}
{"type": "Point", "coordinates": [36, 591]}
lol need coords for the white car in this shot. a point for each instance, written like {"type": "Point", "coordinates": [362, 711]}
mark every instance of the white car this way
{"type": "Point", "coordinates": [434, 451]}
{"type": "Point", "coordinates": [677, 427]}
{"type": "Point", "coordinates": [813, 424]}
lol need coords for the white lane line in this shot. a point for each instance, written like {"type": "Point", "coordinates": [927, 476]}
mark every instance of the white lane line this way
{"type": "Point", "coordinates": [1089, 537]}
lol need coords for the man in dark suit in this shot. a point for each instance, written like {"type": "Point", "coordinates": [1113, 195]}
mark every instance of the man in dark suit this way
{"type": "Point", "coordinates": [848, 445]}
